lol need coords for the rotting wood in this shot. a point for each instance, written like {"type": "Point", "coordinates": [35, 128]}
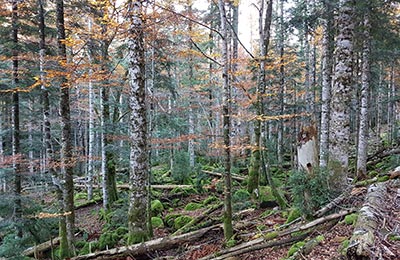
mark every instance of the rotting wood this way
{"type": "Point", "coordinates": [41, 247]}
{"type": "Point", "coordinates": [285, 232]}
{"type": "Point", "coordinates": [199, 218]}
{"type": "Point", "coordinates": [363, 239]}
{"type": "Point", "coordinates": [148, 246]}
{"type": "Point", "coordinates": [283, 242]}
{"type": "Point", "coordinates": [154, 186]}
{"type": "Point", "coordinates": [235, 177]}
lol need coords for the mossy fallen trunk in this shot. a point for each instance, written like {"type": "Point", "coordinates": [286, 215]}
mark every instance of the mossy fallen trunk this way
{"type": "Point", "coordinates": [363, 240]}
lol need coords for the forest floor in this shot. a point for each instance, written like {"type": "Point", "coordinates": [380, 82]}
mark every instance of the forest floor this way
{"type": "Point", "coordinates": [251, 223]}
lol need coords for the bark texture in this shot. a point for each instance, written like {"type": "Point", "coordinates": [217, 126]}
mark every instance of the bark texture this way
{"type": "Point", "coordinates": [139, 164]}
{"type": "Point", "coordinates": [341, 96]}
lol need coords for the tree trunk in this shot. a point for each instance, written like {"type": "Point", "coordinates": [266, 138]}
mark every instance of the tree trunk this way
{"type": "Point", "coordinates": [16, 149]}
{"type": "Point", "coordinates": [226, 104]}
{"type": "Point", "coordinates": [342, 90]}
{"type": "Point", "coordinates": [139, 164]}
{"type": "Point", "coordinates": [255, 160]}
{"type": "Point", "coordinates": [280, 144]}
{"type": "Point", "coordinates": [327, 40]}
{"type": "Point", "coordinates": [91, 141]}
{"type": "Point", "coordinates": [365, 77]}
{"type": "Point", "coordinates": [66, 140]}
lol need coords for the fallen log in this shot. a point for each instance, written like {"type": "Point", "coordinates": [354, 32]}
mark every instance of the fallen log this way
{"type": "Point", "coordinates": [199, 218]}
{"type": "Point", "coordinates": [41, 247]}
{"type": "Point", "coordinates": [235, 177]}
{"type": "Point", "coordinates": [154, 186]}
{"type": "Point", "coordinates": [276, 234]}
{"type": "Point", "coordinates": [148, 246]}
{"type": "Point", "coordinates": [363, 239]}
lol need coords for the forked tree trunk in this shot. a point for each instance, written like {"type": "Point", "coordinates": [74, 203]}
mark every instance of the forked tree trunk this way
{"type": "Point", "coordinates": [139, 165]}
{"type": "Point", "coordinates": [226, 96]}
{"type": "Point", "coordinates": [342, 89]}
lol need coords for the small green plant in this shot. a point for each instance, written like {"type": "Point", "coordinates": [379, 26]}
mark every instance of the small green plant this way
{"type": "Point", "coordinates": [350, 219]}
{"type": "Point", "coordinates": [309, 192]}
{"type": "Point", "coordinates": [193, 206]}
{"type": "Point", "coordinates": [157, 222]}
{"type": "Point", "coordinates": [210, 200]}
{"type": "Point", "coordinates": [156, 207]}
{"type": "Point", "coordinates": [294, 248]}
{"type": "Point", "coordinates": [293, 214]}
{"type": "Point", "coordinates": [343, 246]}
{"type": "Point", "coordinates": [181, 221]}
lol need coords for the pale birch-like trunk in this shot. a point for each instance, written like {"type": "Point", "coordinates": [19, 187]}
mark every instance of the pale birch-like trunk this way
{"type": "Point", "coordinates": [341, 96]}
{"type": "Point", "coordinates": [30, 137]}
{"type": "Point", "coordinates": [139, 162]}
{"type": "Point", "coordinates": [365, 81]}
{"type": "Point", "coordinates": [191, 124]}
{"type": "Point", "coordinates": [92, 140]}
{"type": "Point", "coordinates": [327, 41]}
{"type": "Point", "coordinates": [226, 96]}
{"type": "Point", "coordinates": [3, 183]}
{"type": "Point", "coordinates": [66, 140]}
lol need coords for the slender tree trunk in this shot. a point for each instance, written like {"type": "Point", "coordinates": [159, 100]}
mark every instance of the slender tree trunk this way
{"type": "Point", "coordinates": [327, 41]}
{"type": "Point", "coordinates": [365, 78]}
{"type": "Point", "coordinates": [280, 145]}
{"type": "Point", "coordinates": [191, 124]}
{"type": "Point", "coordinates": [255, 160]}
{"type": "Point", "coordinates": [342, 90]}
{"type": "Point", "coordinates": [66, 136]}
{"type": "Point", "coordinates": [30, 136]}
{"type": "Point", "coordinates": [91, 141]}
{"type": "Point", "coordinates": [16, 149]}
{"type": "Point", "coordinates": [139, 161]}
{"type": "Point", "coordinates": [228, 228]}
{"type": "Point", "coordinates": [3, 182]}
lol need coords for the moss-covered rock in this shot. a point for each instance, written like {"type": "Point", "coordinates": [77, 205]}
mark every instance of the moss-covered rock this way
{"type": "Point", "coordinates": [157, 222]}
{"type": "Point", "coordinates": [193, 206]}
{"type": "Point", "coordinates": [156, 207]}
{"type": "Point", "coordinates": [181, 221]}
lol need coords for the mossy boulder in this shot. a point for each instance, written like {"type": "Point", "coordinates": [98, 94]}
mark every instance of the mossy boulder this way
{"type": "Point", "coordinates": [157, 222]}
{"type": "Point", "coordinates": [193, 206]}
{"type": "Point", "coordinates": [241, 199]}
{"type": "Point", "coordinates": [156, 207]}
{"type": "Point", "coordinates": [181, 221]}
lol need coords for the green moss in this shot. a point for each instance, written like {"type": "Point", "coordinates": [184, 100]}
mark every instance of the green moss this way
{"type": "Point", "coordinates": [271, 235]}
{"type": "Point", "coordinates": [181, 221]}
{"type": "Point", "coordinates": [80, 196]}
{"type": "Point", "coordinates": [121, 231]}
{"type": "Point", "coordinates": [394, 237]}
{"type": "Point", "coordinates": [344, 245]}
{"type": "Point", "coordinates": [350, 219]}
{"type": "Point", "coordinates": [157, 222]}
{"type": "Point", "coordinates": [231, 243]}
{"type": "Point", "coordinates": [294, 248]}
{"type": "Point", "coordinates": [383, 178]}
{"type": "Point", "coordinates": [156, 207]}
{"type": "Point", "coordinates": [320, 238]}
{"type": "Point", "coordinates": [210, 200]}
{"type": "Point", "coordinates": [193, 206]}
{"type": "Point", "coordinates": [372, 174]}
{"type": "Point", "coordinates": [108, 240]}
{"type": "Point", "coordinates": [293, 214]}
{"type": "Point", "coordinates": [170, 219]}
{"type": "Point", "coordinates": [137, 237]}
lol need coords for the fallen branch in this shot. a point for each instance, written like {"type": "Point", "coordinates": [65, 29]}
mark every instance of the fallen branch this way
{"type": "Point", "coordinates": [333, 203]}
{"type": "Point", "coordinates": [41, 247]}
{"type": "Point", "coordinates": [235, 177]}
{"type": "Point", "coordinates": [199, 218]}
{"type": "Point", "coordinates": [155, 186]}
{"type": "Point", "coordinates": [363, 239]}
{"type": "Point", "coordinates": [273, 235]}
{"type": "Point", "coordinates": [148, 246]}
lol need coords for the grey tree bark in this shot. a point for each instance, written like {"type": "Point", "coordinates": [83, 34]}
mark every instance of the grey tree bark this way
{"type": "Point", "coordinates": [365, 82]}
{"type": "Point", "coordinates": [139, 165]}
{"type": "Point", "coordinates": [339, 138]}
